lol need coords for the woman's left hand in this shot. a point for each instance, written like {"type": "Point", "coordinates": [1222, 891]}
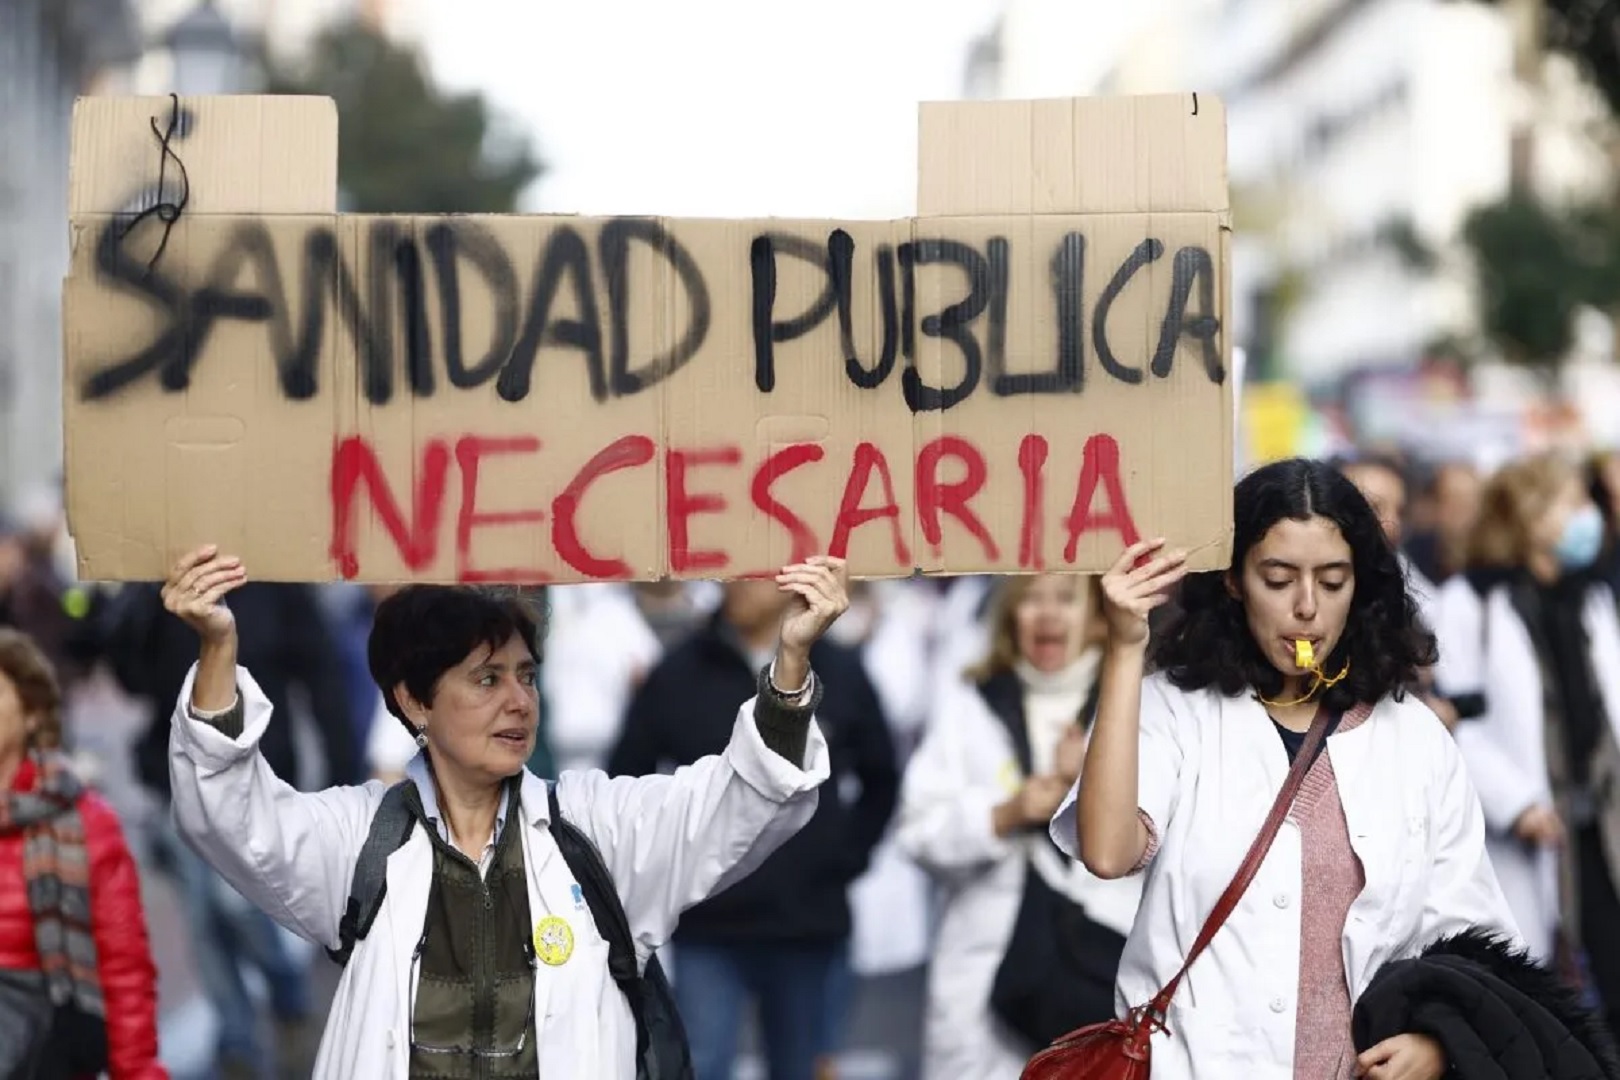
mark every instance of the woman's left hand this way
{"type": "Point", "coordinates": [1403, 1057]}
{"type": "Point", "coordinates": [821, 594]}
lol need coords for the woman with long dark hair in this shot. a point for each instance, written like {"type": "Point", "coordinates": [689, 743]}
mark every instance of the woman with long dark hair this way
{"type": "Point", "coordinates": [1306, 643]}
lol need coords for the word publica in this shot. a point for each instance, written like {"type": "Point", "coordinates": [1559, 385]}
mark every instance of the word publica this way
{"type": "Point", "coordinates": [868, 500]}
{"type": "Point", "coordinates": [246, 282]}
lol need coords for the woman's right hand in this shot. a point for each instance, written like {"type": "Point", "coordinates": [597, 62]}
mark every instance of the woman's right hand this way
{"type": "Point", "coordinates": [1138, 582]}
{"type": "Point", "coordinates": [1040, 797]}
{"type": "Point", "coordinates": [1032, 807]}
{"type": "Point", "coordinates": [1071, 754]}
{"type": "Point", "coordinates": [195, 591]}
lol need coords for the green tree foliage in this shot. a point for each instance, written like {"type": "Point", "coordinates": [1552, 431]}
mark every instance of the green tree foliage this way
{"type": "Point", "coordinates": [405, 146]}
{"type": "Point", "coordinates": [1588, 32]}
{"type": "Point", "coordinates": [1536, 267]}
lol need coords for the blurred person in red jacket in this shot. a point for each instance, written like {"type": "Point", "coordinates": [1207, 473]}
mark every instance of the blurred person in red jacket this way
{"type": "Point", "coordinates": [71, 921]}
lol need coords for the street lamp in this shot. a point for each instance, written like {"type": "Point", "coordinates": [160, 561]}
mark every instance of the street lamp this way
{"type": "Point", "coordinates": [207, 55]}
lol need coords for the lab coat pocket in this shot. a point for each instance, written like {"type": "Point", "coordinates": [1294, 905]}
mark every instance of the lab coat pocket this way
{"type": "Point", "coordinates": [1221, 844]}
{"type": "Point", "coordinates": [577, 1012]}
{"type": "Point", "coordinates": [1402, 862]}
{"type": "Point", "coordinates": [1204, 1037]}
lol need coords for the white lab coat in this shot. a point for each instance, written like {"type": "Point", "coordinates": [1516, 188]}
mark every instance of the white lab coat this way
{"type": "Point", "coordinates": [593, 664]}
{"type": "Point", "coordinates": [565, 603]}
{"type": "Point", "coordinates": [889, 903]}
{"type": "Point", "coordinates": [961, 628]}
{"type": "Point", "coordinates": [965, 766]}
{"type": "Point", "coordinates": [1459, 632]}
{"type": "Point", "coordinates": [1210, 768]}
{"type": "Point", "coordinates": [669, 841]}
{"type": "Point", "coordinates": [1487, 649]}
{"type": "Point", "coordinates": [895, 652]}
{"type": "Point", "coordinates": [1424, 592]}
{"type": "Point", "coordinates": [389, 747]}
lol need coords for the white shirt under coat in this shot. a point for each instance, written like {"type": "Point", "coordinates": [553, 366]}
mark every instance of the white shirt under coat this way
{"type": "Point", "coordinates": [669, 842]}
{"type": "Point", "coordinates": [1210, 768]}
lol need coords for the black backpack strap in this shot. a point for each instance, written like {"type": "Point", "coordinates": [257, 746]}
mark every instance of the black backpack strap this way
{"type": "Point", "coordinates": [662, 1051]}
{"type": "Point", "coordinates": [390, 827]}
{"type": "Point", "coordinates": [596, 882]}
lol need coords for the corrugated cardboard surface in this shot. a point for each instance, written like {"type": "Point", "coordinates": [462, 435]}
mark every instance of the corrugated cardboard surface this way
{"type": "Point", "coordinates": [559, 398]}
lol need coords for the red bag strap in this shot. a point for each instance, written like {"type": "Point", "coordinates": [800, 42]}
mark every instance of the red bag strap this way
{"type": "Point", "coordinates": [1315, 739]}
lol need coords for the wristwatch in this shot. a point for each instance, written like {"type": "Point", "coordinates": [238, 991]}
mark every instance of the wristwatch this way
{"type": "Point", "coordinates": [793, 698]}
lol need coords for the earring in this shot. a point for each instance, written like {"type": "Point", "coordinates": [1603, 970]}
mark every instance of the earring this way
{"type": "Point", "coordinates": [421, 738]}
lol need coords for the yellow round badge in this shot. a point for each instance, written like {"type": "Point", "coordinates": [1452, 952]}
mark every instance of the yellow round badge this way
{"type": "Point", "coordinates": [1012, 778]}
{"type": "Point", "coordinates": [553, 940]}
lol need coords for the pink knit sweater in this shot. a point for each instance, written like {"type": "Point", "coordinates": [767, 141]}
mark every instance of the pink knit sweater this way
{"type": "Point", "coordinates": [1331, 879]}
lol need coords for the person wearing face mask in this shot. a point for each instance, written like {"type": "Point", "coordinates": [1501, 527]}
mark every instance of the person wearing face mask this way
{"type": "Point", "coordinates": [1535, 630]}
{"type": "Point", "coordinates": [1002, 746]}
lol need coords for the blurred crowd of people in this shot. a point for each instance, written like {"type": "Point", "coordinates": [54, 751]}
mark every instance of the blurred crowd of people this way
{"type": "Point", "coordinates": [955, 711]}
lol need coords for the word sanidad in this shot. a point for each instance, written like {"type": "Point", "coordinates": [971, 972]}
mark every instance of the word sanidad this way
{"type": "Point", "coordinates": [375, 281]}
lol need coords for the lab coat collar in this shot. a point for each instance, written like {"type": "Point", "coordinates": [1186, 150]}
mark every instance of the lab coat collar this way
{"type": "Point", "coordinates": [533, 802]}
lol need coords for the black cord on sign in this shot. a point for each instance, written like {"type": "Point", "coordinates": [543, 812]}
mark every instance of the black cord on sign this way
{"type": "Point", "coordinates": [166, 212]}
{"type": "Point", "coordinates": [1195, 103]}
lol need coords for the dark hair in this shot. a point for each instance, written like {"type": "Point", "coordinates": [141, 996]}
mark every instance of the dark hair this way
{"type": "Point", "coordinates": [1432, 475]}
{"type": "Point", "coordinates": [422, 631]}
{"type": "Point", "coordinates": [1208, 644]}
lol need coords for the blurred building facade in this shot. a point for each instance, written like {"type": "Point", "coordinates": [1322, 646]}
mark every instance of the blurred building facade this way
{"type": "Point", "coordinates": [1361, 133]}
{"type": "Point", "coordinates": [50, 52]}
{"type": "Point", "coordinates": [281, 27]}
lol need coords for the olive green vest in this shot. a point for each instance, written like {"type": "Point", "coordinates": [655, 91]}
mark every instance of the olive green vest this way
{"type": "Point", "coordinates": [472, 1010]}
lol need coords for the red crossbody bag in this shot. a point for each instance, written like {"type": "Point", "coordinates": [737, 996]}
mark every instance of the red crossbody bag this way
{"type": "Point", "coordinates": [1121, 1049]}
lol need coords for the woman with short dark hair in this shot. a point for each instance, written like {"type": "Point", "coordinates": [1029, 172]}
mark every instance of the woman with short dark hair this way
{"type": "Point", "coordinates": [1307, 642]}
{"type": "Point", "coordinates": [486, 957]}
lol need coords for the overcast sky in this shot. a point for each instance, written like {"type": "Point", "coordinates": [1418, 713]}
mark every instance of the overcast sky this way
{"type": "Point", "coordinates": [726, 108]}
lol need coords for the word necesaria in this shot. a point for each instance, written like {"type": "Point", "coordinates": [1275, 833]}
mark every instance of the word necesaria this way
{"type": "Point", "coordinates": [868, 499]}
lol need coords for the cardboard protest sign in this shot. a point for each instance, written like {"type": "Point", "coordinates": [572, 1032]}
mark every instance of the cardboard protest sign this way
{"type": "Point", "coordinates": [1031, 373]}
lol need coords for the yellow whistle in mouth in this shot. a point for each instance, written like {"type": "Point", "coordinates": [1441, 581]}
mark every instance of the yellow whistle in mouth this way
{"type": "Point", "coordinates": [1304, 655]}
